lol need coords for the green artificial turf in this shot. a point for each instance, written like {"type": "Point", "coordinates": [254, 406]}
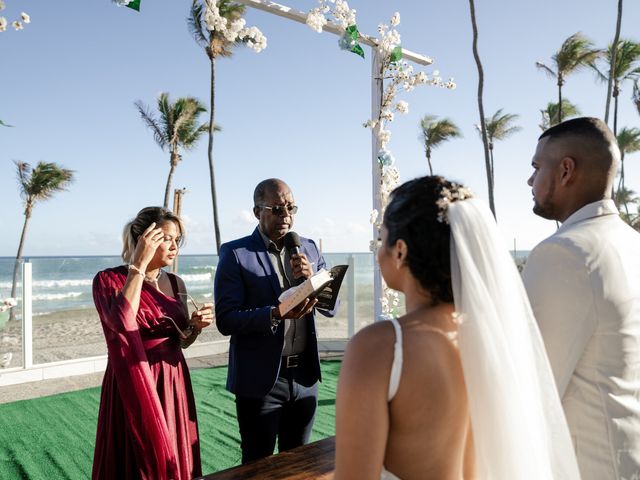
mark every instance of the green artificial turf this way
{"type": "Point", "coordinates": [53, 437]}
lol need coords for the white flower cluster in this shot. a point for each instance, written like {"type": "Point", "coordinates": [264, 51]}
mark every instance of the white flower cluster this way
{"type": "Point", "coordinates": [338, 9]}
{"type": "Point", "coordinates": [389, 36]}
{"type": "Point", "coordinates": [390, 301]}
{"type": "Point", "coordinates": [17, 24]}
{"type": "Point", "coordinates": [447, 196]}
{"type": "Point", "coordinates": [7, 303]}
{"type": "Point", "coordinates": [235, 30]}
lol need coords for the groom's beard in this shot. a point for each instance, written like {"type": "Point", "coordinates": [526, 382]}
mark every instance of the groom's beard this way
{"type": "Point", "coordinates": [543, 205]}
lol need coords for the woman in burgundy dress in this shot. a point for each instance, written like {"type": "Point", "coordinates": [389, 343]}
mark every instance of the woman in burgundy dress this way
{"type": "Point", "coordinates": [147, 426]}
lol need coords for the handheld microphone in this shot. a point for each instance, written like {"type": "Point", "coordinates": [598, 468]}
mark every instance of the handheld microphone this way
{"type": "Point", "coordinates": [292, 244]}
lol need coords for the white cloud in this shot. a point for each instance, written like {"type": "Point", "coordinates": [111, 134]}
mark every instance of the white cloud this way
{"type": "Point", "coordinates": [246, 217]}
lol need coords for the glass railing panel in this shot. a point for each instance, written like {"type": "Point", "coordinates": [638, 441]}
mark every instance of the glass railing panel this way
{"type": "Point", "coordinates": [10, 320]}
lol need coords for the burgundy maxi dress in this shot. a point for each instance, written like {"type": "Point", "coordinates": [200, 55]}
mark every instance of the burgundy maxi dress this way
{"type": "Point", "coordinates": [147, 427]}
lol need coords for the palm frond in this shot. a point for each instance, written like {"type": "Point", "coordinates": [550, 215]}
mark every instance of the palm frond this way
{"type": "Point", "coordinates": [176, 125]}
{"type": "Point", "coordinates": [152, 123]}
{"type": "Point", "coordinates": [629, 140]}
{"type": "Point", "coordinates": [195, 23]}
{"type": "Point", "coordinates": [499, 126]}
{"type": "Point", "coordinates": [41, 182]}
{"type": "Point", "coordinates": [546, 69]}
{"type": "Point", "coordinates": [434, 132]}
{"type": "Point", "coordinates": [551, 113]}
{"type": "Point", "coordinates": [23, 171]}
{"type": "Point", "coordinates": [576, 52]}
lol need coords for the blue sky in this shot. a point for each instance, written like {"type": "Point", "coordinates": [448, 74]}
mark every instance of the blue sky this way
{"type": "Point", "coordinates": [294, 111]}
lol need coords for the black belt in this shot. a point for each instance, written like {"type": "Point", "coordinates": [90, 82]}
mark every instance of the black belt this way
{"type": "Point", "coordinates": [290, 361]}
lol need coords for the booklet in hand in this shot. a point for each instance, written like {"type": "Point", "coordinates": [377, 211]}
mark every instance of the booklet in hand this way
{"type": "Point", "coordinates": [323, 285]}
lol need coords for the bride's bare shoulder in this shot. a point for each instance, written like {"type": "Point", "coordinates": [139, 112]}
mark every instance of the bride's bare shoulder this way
{"type": "Point", "coordinates": [371, 349]}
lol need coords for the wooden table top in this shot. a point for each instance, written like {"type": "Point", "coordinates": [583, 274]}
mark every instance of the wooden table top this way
{"type": "Point", "coordinates": [314, 460]}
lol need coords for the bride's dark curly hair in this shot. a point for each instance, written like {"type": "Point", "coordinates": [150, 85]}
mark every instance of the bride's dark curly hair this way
{"type": "Point", "coordinates": [412, 215]}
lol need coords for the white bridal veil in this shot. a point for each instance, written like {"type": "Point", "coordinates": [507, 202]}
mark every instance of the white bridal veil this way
{"type": "Point", "coordinates": [519, 428]}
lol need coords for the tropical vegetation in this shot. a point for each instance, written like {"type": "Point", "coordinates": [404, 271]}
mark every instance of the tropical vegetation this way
{"type": "Point", "coordinates": [551, 114]}
{"type": "Point", "coordinates": [624, 62]}
{"type": "Point", "coordinates": [217, 27]}
{"type": "Point", "coordinates": [434, 132]}
{"type": "Point", "coordinates": [576, 52]}
{"type": "Point", "coordinates": [499, 126]}
{"type": "Point", "coordinates": [628, 142]}
{"type": "Point", "coordinates": [37, 184]}
{"type": "Point", "coordinates": [483, 127]}
{"type": "Point", "coordinates": [175, 128]}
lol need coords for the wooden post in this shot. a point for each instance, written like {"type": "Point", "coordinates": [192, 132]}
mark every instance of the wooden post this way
{"type": "Point", "coordinates": [177, 209]}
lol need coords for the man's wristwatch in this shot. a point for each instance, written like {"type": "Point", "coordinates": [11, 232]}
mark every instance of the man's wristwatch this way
{"type": "Point", "coordinates": [275, 321]}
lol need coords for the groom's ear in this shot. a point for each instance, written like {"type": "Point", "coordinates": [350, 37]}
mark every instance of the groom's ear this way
{"type": "Point", "coordinates": [567, 168]}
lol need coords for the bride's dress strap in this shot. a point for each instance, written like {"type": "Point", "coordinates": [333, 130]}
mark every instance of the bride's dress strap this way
{"type": "Point", "coordinates": [396, 366]}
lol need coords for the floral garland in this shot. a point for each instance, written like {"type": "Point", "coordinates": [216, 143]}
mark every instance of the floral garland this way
{"type": "Point", "coordinates": [236, 30]}
{"type": "Point", "coordinates": [7, 303]}
{"type": "Point", "coordinates": [396, 75]}
{"type": "Point", "coordinates": [17, 24]}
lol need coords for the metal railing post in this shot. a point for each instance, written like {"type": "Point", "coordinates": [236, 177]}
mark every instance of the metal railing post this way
{"type": "Point", "coordinates": [351, 275]}
{"type": "Point", "coordinates": [27, 316]}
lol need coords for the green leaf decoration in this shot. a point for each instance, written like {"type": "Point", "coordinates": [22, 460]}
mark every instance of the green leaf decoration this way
{"type": "Point", "coordinates": [396, 54]}
{"type": "Point", "coordinates": [5, 124]}
{"type": "Point", "coordinates": [134, 5]}
{"type": "Point", "coordinates": [352, 30]}
{"type": "Point", "coordinates": [357, 49]}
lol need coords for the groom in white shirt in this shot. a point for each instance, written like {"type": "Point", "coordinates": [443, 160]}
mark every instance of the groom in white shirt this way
{"type": "Point", "coordinates": [584, 286]}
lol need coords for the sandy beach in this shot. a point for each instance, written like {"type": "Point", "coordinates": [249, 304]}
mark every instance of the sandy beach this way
{"type": "Point", "coordinates": [72, 334]}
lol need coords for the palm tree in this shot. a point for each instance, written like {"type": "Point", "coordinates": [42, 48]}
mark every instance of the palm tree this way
{"type": "Point", "coordinates": [215, 45]}
{"type": "Point", "coordinates": [434, 132]}
{"type": "Point", "coordinates": [627, 197]}
{"type": "Point", "coordinates": [627, 67]}
{"type": "Point", "coordinates": [483, 127]}
{"type": "Point", "coordinates": [576, 52]}
{"type": "Point", "coordinates": [613, 63]}
{"type": "Point", "coordinates": [636, 96]}
{"type": "Point", "coordinates": [175, 128]}
{"type": "Point", "coordinates": [628, 142]}
{"type": "Point", "coordinates": [499, 127]}
{"type": "Point", "coordinates": [36, 185]}
{"type": "Point", "coordinates": [550, 115]}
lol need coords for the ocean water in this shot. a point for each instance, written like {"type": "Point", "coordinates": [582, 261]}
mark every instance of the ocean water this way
{"type": "Point", "coordinates": [64, 283]}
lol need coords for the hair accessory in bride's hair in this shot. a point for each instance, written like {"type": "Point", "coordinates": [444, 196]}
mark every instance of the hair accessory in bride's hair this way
{"type": "Point", "coordinates": [449, 195]}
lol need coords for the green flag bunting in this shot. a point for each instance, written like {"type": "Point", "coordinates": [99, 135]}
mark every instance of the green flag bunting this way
{"type": "Point", "coordinates": [134, 4]}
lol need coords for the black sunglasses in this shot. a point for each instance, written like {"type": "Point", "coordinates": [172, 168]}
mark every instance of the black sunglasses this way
{"type": "Point", "coordinates": [280, 209]}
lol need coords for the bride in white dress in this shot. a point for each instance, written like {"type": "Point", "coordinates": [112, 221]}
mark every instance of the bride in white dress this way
{"type": "Point", "coordinates": [459, 387]}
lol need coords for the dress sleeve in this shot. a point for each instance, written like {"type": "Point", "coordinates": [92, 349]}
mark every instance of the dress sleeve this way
{"type": "Point", "coordinates": [146, 422]}
{"type": "Point", "coordinates": [559, 289]}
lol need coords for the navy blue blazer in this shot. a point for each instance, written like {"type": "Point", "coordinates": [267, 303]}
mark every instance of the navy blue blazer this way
{"type": "Point", "coordinates": [246, 288]}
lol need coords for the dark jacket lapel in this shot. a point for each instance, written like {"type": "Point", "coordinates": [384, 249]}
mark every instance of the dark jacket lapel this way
{"type": "Point", "coordinates": [265, 261]}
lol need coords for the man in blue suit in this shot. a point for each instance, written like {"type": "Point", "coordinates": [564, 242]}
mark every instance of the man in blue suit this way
{"type": "Point", "coordinates": [274, 367]}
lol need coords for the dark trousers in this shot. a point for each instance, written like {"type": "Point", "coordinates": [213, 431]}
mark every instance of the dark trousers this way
{"type": "Point", "coordinates": [286, 412]}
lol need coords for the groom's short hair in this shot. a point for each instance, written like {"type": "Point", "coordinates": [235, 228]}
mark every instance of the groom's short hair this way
{"type": "Point", "coordinates": [584, 127]}
{"type": "Point", "coordinates": [589, 140]}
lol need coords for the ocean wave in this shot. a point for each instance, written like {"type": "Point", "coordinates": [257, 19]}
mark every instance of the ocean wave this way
{"type": "Point", "coordinates": [56, 296]}
{"type": "Point", "coordinates": [74, 282]}
{"type": "Point", "coordinates": [203, 267]}
{"type": "Point", "coordinates": [197, 277]}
